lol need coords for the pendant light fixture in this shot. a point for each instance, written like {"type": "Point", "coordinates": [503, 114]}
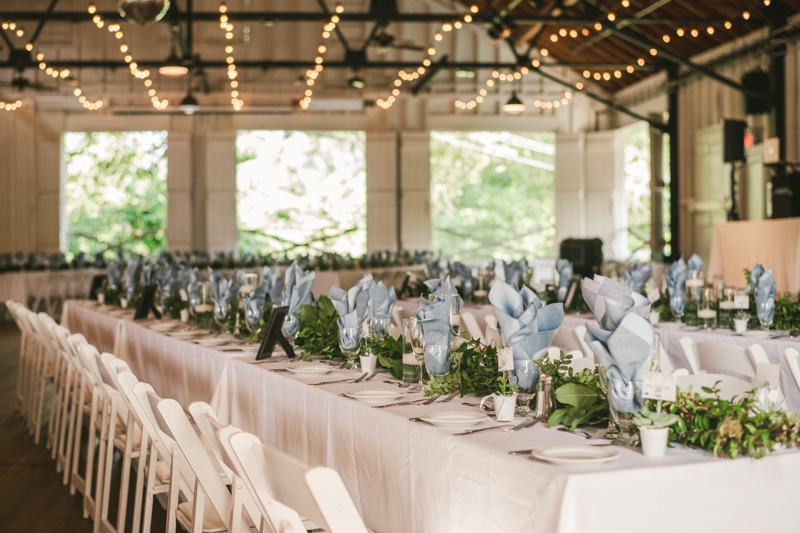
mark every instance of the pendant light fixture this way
{"type": "Point", "coordinates": [514, 106]}
{"type": "Point", "coordinates": [173, 66]}
{"type": "Point", "coordinates": [189, 105]}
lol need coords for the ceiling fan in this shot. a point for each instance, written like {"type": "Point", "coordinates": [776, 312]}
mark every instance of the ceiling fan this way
{"type": "Point", "coordinates": [382, 41]}
{"type": "Point", "coordinates": [21, 83]}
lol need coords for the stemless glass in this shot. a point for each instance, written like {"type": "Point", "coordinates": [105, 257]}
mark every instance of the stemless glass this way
{"type": "Point", "coordinates": [455, 312]}
{"type": "Point", "coordinates": [290, 328]}
{"type": "Point", "coordinates": [765, 311]}
{"type": "Point", "coordinates": [201, 300]}
{"type": "Point", "coordinates": [350, 342]}
{"type": "Point", "coordinates": [677, 305]}
{"type": "Point", "coordinates": [525, 377]}
{"type": "Point", "coordinates": [437, 359]}
{"type": "Point", "coordinates": [727, 309]}
{"type": "Point", "coordinates": [706, 311]}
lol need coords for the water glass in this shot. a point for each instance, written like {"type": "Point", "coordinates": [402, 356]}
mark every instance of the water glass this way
{"type": "Point", "coordinates": [290, 328]}
{"type": "Point", "coordinates": [706, 309]}
{"type": "Point", "coordinates": [524, 377]}
{"type": "Point", "coordinates": [437, 359]}
{"type": "Point", "coordinates": [413, 334]}
{"type": "Point", "coordinates": [349, 343]}
{"type": "Point", "coordinates": [727, 311]}
{"type": "Point", "coordinates": [200, 300]}
{"type": "Point", "coordinates": [455, 312]}
{"type": "Point", "coordinates": [380, 326]}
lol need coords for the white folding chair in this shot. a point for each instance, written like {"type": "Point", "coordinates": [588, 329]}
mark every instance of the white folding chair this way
{"type": "Point", "coordinates": [397, 317]}
{"type": "Point", "coordinates": [315, 492]}
{"type": "Point", "coordinates": [729, 386]}
{"type": "Point", "coordinates": [580, 336]}
{"type": "Point", "coordinates": [98, 422]}
{"type": "Point", "coordinates": [473, 329]}
{"type": "Point", "coordinates": [36, 289]}
{"type": "Point", "coordinates": [64, 383]}
{"type": "Point", "coordinates": [706, 356]}
{"type": "Point", "coordinates": [209, 488]}
{"type": "Point", "coordinates": [565, 339]}
{"type": "Point", "coordinates": [45, 369]}
{"type": "Point", "coordinates": [792, 358]}
{"type": "Point", "coordinates": [492, 335]}
{"type": "Point", "coordinates": [491, 320]}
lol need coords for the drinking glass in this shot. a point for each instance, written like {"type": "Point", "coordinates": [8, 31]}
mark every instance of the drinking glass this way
{"type": "Point", "coordinates": [706, 312]}
{"type": "Point", "coordinates": [290, 328]}
{"type": "Point", "coordinates": [200, 297]}
{"type": "Point", "coordinates": [619, 422]}
{"type": "Point", "coordinates": [437, 359]}
{"type": "Point", "coordinates": [727, 310]}
{"type": "Point", "coordinates": [455, 312]}
{"type": "Point", "coordinates": [677, 306]}
{"type": "Point", "coordinates": [694, 289]}
{"type": "Point", "coordinates": [525, 377]}
{"type": "Point", "coordinates": [416, 343]}
{"type": "Point", "coordinates": [380, 326]}
{"type": "Point", "coordinates": [249, 283]}
{"type": "Point", "coordinates": [350, 342]}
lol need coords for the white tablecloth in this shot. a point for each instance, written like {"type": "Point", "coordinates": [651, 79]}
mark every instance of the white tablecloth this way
{"type": "Point", "coordinates": [411, 477]}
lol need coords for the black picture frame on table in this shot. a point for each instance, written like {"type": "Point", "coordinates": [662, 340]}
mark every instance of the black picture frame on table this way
{"type": "Point", "coordinates": [573, 288]}
{"type": "Point", "coordinates": [274, 334]}
{"type": "Point", "coordinates": [147, 303]}
{"type": "Point", "coordinates": [97, 282]}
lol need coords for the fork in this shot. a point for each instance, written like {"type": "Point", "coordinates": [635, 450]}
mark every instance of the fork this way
{"type": "Point", "coordinates": [471, 431]}
{"type": "Point", "coordinates": [411, 402]}
{"type": "Point", "coordinates": [402, 385]}
{"type": "Point", "coordinates": [450, 397]}
{"type": "Point", "coordinates": [359, 380]}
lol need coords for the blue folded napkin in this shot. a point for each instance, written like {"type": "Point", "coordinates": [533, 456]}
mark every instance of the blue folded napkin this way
{"type": "Point", "coordinates": [383, 299]}
{"type": "Point", "coordinates": [694, 266]}
{"type": "Point", "coordinates": [441, 286]}
{"type": "Point", "coordinates": [765, 296]}
{"type": "Point", "coordinates": [255, 303]}
{"type": "Point", "coordinates": [676, 285]}
{"type": "Point", "coordinates": [149, 274]}
{"type": "Point", "coordinates": [637, 276]}
{"type": "Point", "coordinates": [625, 353]}
{"type": "Point", "coordinates": [527, 325]}
{"type": "Point", "coordinates": [168, 280]}
{"type": "Point", "coordinates": [564, 269]}
{"type": "Point", "coordinates": [433, 267]}
{"type": "Point", "coordinates": [352, 305]}
{"type": "Point", "coordinates": [223, 290]}
{"type": "Point", "coordinates": [114, 274]}
{"type": "Point", "coordinates": [610, 301]}
{"type": "Point", "coordinates": [434, 321]}
{"type": "Point", "coordinates": [274, 283]}
{"type": "Point", "coordinates": [515, 271]}
{"type": "Point", "coordinates": [296, 292]}
{"type": "Point", "coordinates": [133, 272]}
{"type": "Point", "coordinates": [755, 274]}
{"type": "Point", "coordinates": [465, 275]}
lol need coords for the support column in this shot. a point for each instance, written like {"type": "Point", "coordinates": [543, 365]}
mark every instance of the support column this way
{"type": "Point", "coordinates": [657, 189]}
{"type": "Point", "coordinates": [382, 192]}
{"type": "Point", "coordinates": [219, 157]}
{"type": "Point", "coordinates": [180, 206]}
{"type": "Point", "coordinates": [415, 187]}
{"type": "Point", "coordinates": [605, 206]}
{"type": "Point", "coordinates": [570, 188]}
{"type": "Point", "coordinates": [50, 193]}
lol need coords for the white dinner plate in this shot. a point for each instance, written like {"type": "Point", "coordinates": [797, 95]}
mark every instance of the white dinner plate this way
{"type": "Point", "coordinates": [249, 349]}
{"type": "Point", "coordinates": [212, 342]}
{"type": "Point", "coordinates": [375, 396]}
{"type": "Point", "coordinates": [568, 455]}
{"type": "Point", "coordinates": [757, 333]}
{"type": "Point", "coordinates": [187, 334]}
{"type": "Point", "coordinates": [309, 370]}
{"type": "Point", "coordinates": [455, 419]}
{"type": "Point", "coordinates": [163, 327]}
{"type": "Point", "coordinates": [669, 325]}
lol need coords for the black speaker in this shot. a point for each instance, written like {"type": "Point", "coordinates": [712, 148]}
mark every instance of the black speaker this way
{"type": "Point", "coordinates": [757, 81]}
{"type": "Point", "coordinates": [734, 140]}
{"type": "Point", "coordinates": [785, 194]}
{"type": "Point", "coordinates": [586, 255]}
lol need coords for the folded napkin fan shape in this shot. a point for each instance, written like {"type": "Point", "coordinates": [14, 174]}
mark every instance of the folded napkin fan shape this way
{"type": "Point", "coordinates": [465, 274]}
{"type": "Point", "coordinates": [527, 325]}
{"type": "Point", "coordinates": [515, 271]}
{"type": "Point", "coordinates": [274, 284]}
{"type": "Point", "coordinates": [222, 290]}
{"type": "Point", "coordinates": [114, 274]}
{"type": "Point", "coordinates": [694, 266]}
{"type": "Point", "coordinates": [255, 303]}
{"type": "Point", "coordinates": [755, 274]}
{"type": "Point", "coordinates": [133, 272]}
{"type": "Point", "coordinates": [565, 274]}
{"type": "Point", "coordinates": [765, 296]}
{"type": "Point", "coordinates": [637, 276]}
{"type": "Point", "coordinates": [622, 340]}
{"type": "Point", "coordinates": [676, 286]}
{"type": "Point", "coordinates": [434, 321]}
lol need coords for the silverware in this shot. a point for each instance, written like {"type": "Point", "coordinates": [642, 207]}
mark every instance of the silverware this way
{"type": "Point", "coordinates": [450, 396]}
{"type": "Point", "coordinates": [279, 370]}
{"type": "Point", "coordinates": [487, 409]}
{"type": "Point", "coordinates": [600, 434]}
{"type": "Point", "coordinates": [415, 419]}
{"type": "Point", "coordinates": [421, 401]}
{"type": "Point", "coordinates": [471, 431]}
{"type": "Point", "coordinates": [528, 452]}
{"type": "Point", "coordinates": [359, 380]}
{"type": "Point", "coordinates": [402, 384]}
{"type": "Point", "coordinates": [527, 424]}
{"type": "Point", "coordinates": [271, 360]}
{"type": "Point", "coordinates": [374, 372]}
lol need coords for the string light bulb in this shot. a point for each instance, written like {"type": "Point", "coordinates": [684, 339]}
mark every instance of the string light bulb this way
{"type": "Point", "coordinates": [746, 15]}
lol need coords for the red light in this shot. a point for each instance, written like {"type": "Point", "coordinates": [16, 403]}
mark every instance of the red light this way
{"type": "Point", "coordinates": [748, 140]}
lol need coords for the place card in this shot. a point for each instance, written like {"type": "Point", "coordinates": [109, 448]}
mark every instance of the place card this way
{"type": "Point", "coordinates": [658, 386]}
{"type": "Point", "coordinates": [183, 295]}
{"type": "Point", "coordinates": [741, 300]}
{"type": "Point", "coordinates": [505, 360]}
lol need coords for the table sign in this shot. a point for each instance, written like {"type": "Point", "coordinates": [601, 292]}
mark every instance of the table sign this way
{"type": "Point", "coordinates": [658, 386]}
{"type": "Point", "coordinates": [404, 287]}
{"type": "Point", "coordinates": [147, 303]}
{"type": "Point", "coordinates": [97, 281]}
{"type": "Point", "coordinates": [505, 360]}
{"type": "Point", "coordinates": [274, 334]}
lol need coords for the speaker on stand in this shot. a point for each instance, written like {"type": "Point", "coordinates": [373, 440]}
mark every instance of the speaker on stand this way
{"type": "Point", "coordinates": [733, 152]}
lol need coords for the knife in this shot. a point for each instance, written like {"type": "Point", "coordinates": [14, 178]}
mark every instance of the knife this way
{"type": "Point", "coordinates": [527, 424]}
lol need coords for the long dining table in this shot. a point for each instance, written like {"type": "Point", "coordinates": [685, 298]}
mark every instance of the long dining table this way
{"type": "Point", "coordinates": [410, 477]}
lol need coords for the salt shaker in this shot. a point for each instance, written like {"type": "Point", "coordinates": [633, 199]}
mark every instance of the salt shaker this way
{"type": "Point", "coordinates": [545, 398]}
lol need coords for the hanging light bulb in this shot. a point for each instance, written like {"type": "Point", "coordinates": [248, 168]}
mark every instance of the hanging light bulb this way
{"type": "Point", "coordinates": [514, 106]}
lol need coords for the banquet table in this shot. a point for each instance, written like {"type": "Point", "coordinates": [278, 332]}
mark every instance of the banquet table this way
{"type": "Point", "coordinates": [742, 244]}
{"type": "Point", "coordinates": [23, 286]}
{"type": "Point", "coordinates": [409, 477]}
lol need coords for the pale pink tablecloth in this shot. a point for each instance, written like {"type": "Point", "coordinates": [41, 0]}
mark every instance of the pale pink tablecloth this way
{"type": "Point", "coordinates": [740, 245]}
{"type": "Point", "coordinates": [411, 477]}
{"type": "Point", "coordinates": [99, 328]}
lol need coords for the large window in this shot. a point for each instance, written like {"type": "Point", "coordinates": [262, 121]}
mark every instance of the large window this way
{"type": "Point", "coordinates": [300, 192]}
{"type": "Point", "coordinates": [492, 194]}
{"type": "Point", "coordinates": [116, 191]}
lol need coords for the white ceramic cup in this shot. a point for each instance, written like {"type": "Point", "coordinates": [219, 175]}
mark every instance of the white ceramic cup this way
{"type": "Point", "coordinates": [504, 406]}
{"type": "Point", "coordinates": [184, 315]}
{"type": "Point", "coordinates": [368, 363]}
{"type": "Point", "coordinates": [740, 324]}
{"type": "Point", "coordinates": [654, 441]}
{"type": "Point", "coordinates": [655, 316]}
{"type": "Point", "coordinates": [101, 299]}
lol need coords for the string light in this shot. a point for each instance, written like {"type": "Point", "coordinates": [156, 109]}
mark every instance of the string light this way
{"type": "Point", "coordinates": [10, 106]}
{"type": "Point", "coordinates": [141, 74]}
{"type": "Point", "coordinates": [312, 74]}
{"type": "Point", "coordinates": [227, 27]}
{"type": "Point", "coordinates": [746, 15]}
{"type": "Point", "coordinates": [64, 75]}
